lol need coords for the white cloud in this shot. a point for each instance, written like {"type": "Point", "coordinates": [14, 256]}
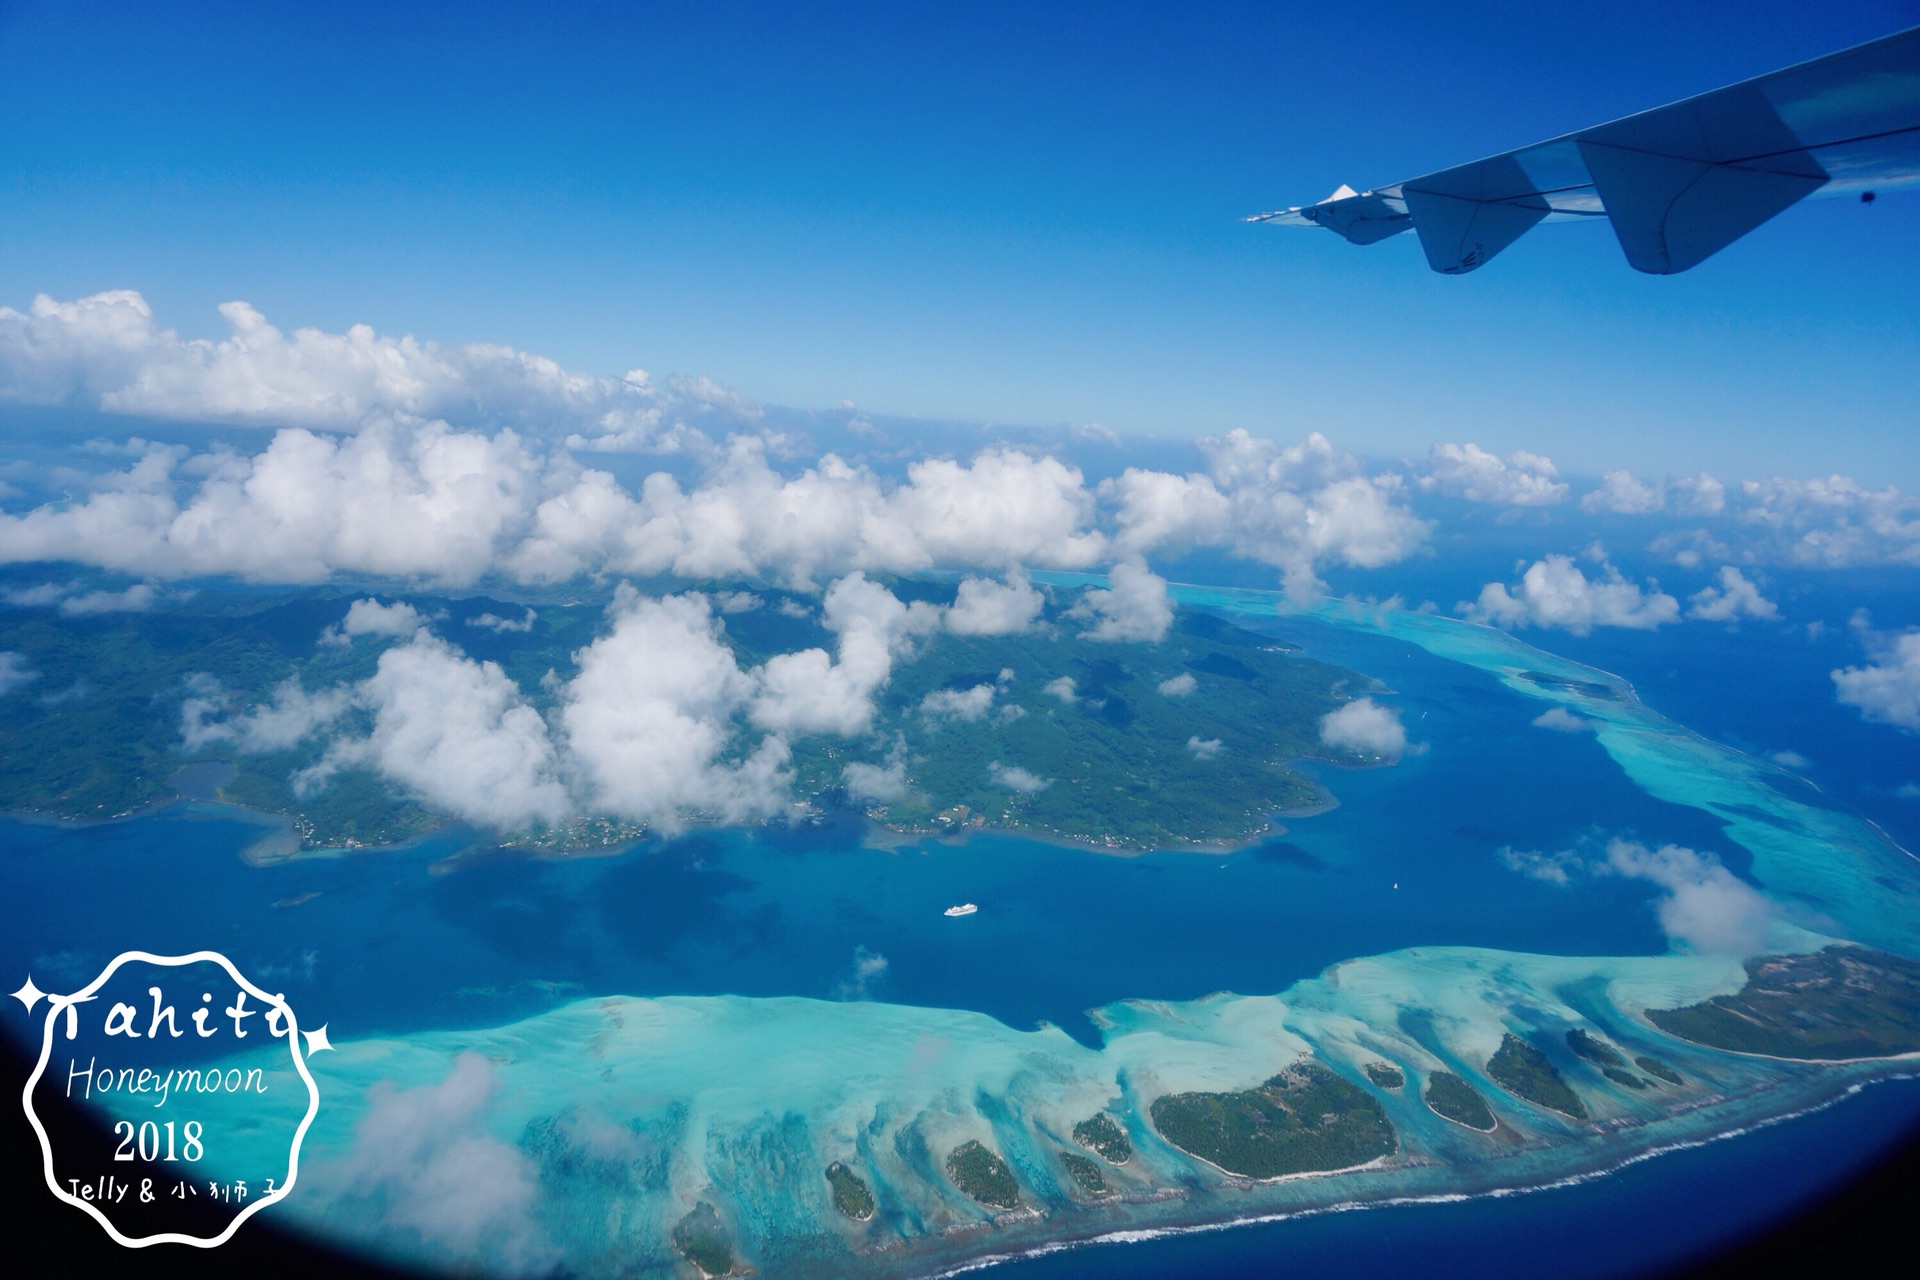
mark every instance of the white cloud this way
{"type": "Point", "coordinates": [107, 351]}
{"type": "Point", "coordinates": [807, 692]}
{"type": "Point", "coordinates": [1133, 607]}
{"type": "Point", "coordinates": [1706, 908]}
{"type": "Point", "coordinates": [1014, 778]}
{"type": "Point", "coordinates": [1064, 688]}
{"type": "Point", "coordinates": [494, 622]}
{"type": "Point", "coordinates": [647, 721]}
{"type": "Point", "coordinates": [1554, 593]}
{"type": "Point", "coordinates": [1789, 759]}
{"type": "Point", "coordinates": [423, 1165]}
{"type": "Point", "coordinates": [368, 617]}
{"type": "Point", "coordinates": [1203, 748]}
{"type": "Point", "coordinates": [1558, 868]}
{"type": "Point", "coordinates": [983, 607]}
{"type": "Point", "coordinates": [15, 671]}
{"type": "Point", "coordinates": [1703, 907]}
{"type": "Point", "coordinates": [75, 603]}
{"type": "Point", "coordinates": [1886, 690]}
{"type": "Point", "coordinates": [874, 783]}
{"type": "Point", "coordinates": [1562, 720]}
{"type": "Point", "coordinates": [1467, 471]}
{"type": "Point", "coordinates": [869, 971]}
{"type": "Point", "coordinates": [959, 704]}
{"type": "Point", "coordinates": [1367, 727]}
{"type": "Point", "coordinates": [1178, 686]}
{"type": "Point", "coordinates": [1734, 598]}
{"type": "Point", "coordinates": [285, 720]}
{"type": "Point", "coordinates": [1292, 508]}
{"type": "Point", "coordinates": [1623, 493]}
{"type": "Point", "coordinates": [1834, 522]}
{"type": "Point", "coordinates": [458, 734]}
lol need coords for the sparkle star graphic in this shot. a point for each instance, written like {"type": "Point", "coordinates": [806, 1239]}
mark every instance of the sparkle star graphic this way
{"type": "Point", "coordinates": [29, 995]}
{"type": "Point", "coordinates": [317, 1040]}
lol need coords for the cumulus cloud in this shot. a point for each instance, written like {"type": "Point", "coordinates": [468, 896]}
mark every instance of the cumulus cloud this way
{"type": "Point", "coordinates": [457, 468]}
{"type": "Point", "coordinates": [1292, 507]}
{"type": "Point", "coordinates": [867, 783]}
{"type": "Point", "coordinates": [983, 607]}
{"type": "Point", "coordinates": [1133, 607]}
{"type": "Point", "coordinates": [422, 1164]}
{"type": "Point", "coordinates": [368, 617]}
{"type": "Point", "coordinates": [648, 719]}
{"type": "Point", "coordinates": [494, 622]}
{"type": "Point", "coordinates": [959, 704]}
{"type": "Point", "coordinates": [808, 692]}
{"type": "Point", "coordinates": [108, 352]}
{"type": "Point", "coordinates": [1554, 593]}
{"type": "Point", "coordinates": [1624, 493]}
{"type": "Point", "coordinates": [458, 734]}
{"type": "Point", "coordinates": [289, 716]}
{"type": "Point", "coordinates": [1561, 720]}
{"type": "Point", "coordinates": [1178, 686]}
{"type": "Point", "coordinates": [1014, 778]}
{"type": "Point", "coordinates": [1367, 727]}
{"type": "Point", "coordinates": [1706, 908]}
{"type": "Point", "coordinates": [15, 670]}
{"type": "Point", "coordinates": [73, 602]}
{"type": "Point", "coordinates": [1731, 599]}
{"type": "Point", "coordinates": [1521, 479]}
{"type": "Point", "coordinates": [869, 971]}
{"type": "Point", "coordinates": [1703, 907]}
{"type": "Point", "coordinates": [1064, 688]}
{"type": "Point", "coordinates": [1203, 748]}
{"type": "Point", "coordinates": [1789, 759]}
{"type": "Point", "coordinates": [1556, 868]}
{"type": "Point", "coordinates": [1886, 690]}
{"type": "Point", "coordinates": [1834, 522]}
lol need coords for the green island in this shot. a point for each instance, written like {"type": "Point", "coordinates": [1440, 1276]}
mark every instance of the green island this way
{"type": "Point", "coordinates": [983, 1175]}
{"type": "Point", "coordinates": [1626, 1078]}
{"type": "Point", "coordinates": [1524, 1072]}
{"type": "Point", "coordinates": [1452, 1098]}
{"type": "Point", "coordinates": [1306, 1119]}
{"type": "Point", "coordinates": [1085, 1173]}
{"type": "Point", "coordinates": [1100, 1135]}
{"type": "Point", "coordinates": [1841, 1002]}
{"type": "Point", "coordinates": [851, 1195]}
{"type": "Point", "coordinates": [702, 1240]}
{"type": "Point", "coordinates": [1096, 752]}
{"type": "Point", "coordinates": [1658, 1069]}
{"type": "Point", "coordinates": [1594, 1049]}
{"type": "Point", "coordinates": [1386, 1075]}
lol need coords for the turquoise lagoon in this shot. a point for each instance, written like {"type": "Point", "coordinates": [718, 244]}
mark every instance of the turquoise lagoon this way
{"type": "Point", "coordinates": [716, 1018]}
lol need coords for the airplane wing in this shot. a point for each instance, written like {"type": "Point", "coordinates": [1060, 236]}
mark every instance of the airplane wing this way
{"type": "Point", "coordinates": [1678, 183]}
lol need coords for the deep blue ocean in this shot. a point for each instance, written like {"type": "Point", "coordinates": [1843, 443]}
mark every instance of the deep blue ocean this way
{"type": "Point", "coordinates": [1409, 857]}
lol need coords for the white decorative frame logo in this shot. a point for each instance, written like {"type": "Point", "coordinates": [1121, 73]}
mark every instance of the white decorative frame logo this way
{"type": "Point", "coordinates": [59, 1004]}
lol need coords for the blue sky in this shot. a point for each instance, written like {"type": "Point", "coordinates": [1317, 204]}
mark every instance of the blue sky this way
{"type": "Point", "coordinates": [978, 212]}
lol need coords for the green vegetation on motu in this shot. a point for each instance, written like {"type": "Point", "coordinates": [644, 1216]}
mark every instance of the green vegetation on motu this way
{"type": "Point", "coordinates": [1454, 1099]}
{"type": "Point", "coordinates": [1305, 1119]}
{"type": "Point", "coordinates": [1385, 1075]}
{"type": "Point", "coordinates": [983, 1175]}
{"type": "Point", "coordinates": [96, 732]}
{"type": "Point", "coordinates": [1626, 1078]}
{"type": "Point", "coordinates": [1524, 1072]}
{"type": "Point", "coordinates": [1099, 1134]}
{"type": "Point", "coordinates": [851, 1195]}
{"type": "Point", "coordinates": [702, 1240]}
{"type": "Point", "coordinates": [1085, 1173]}
{"type": "Point", "coordinates": [1658, 1069]}
{"type": "Point", "coordinates": [1594, 1049]}
{"type": "Point", "coordinates": [1843, 1002]}
{"type": "Point", "coordinates": [1114, 765]}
